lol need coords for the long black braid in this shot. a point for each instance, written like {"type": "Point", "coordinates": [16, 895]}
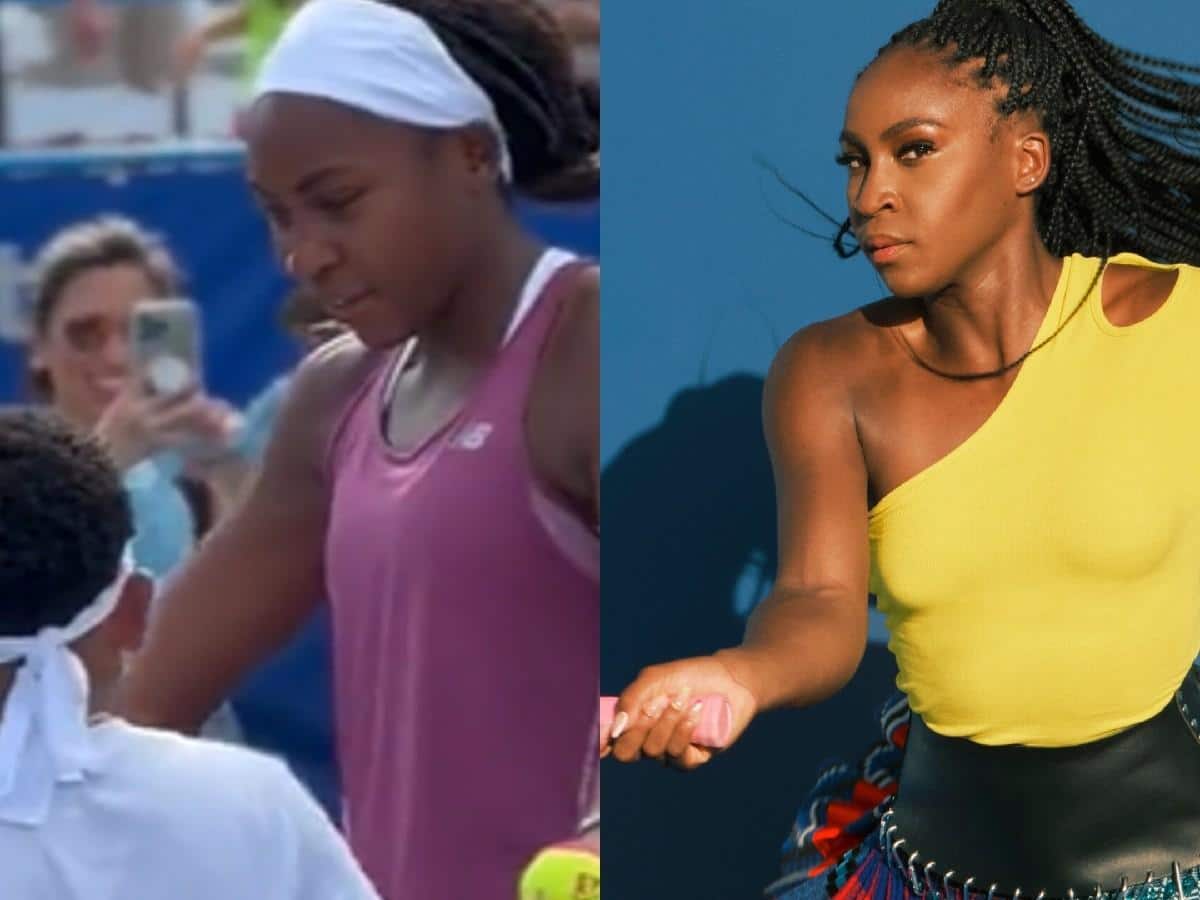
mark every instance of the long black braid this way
{"type": "Point", "coordinates": [1124, 129]}
{"type": "Point", "coordinates": [518, 53]}
{"type": "Point", "coordinates": [1125, 171]}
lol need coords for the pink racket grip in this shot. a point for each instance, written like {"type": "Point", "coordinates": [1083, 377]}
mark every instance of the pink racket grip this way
{"type": "Point", "coordinates": [716, 719]}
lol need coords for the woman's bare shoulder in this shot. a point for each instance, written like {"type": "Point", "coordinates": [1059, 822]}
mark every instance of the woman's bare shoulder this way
{"type": "Point", "coordinates": [846, 349]}
{"type": "Point", "coordinates": [320, 388]}
{"type": "Point", "coordinates": [334, 369]}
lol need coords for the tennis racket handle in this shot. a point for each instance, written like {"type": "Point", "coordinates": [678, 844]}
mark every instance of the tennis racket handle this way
{"type": "Point", "coordinates": [712, 730]}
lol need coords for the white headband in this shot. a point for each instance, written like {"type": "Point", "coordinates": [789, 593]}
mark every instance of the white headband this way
{"type": "Point", "coordinates": [44, 737]}
{"type": "Point", "coordinates": [380, 59]}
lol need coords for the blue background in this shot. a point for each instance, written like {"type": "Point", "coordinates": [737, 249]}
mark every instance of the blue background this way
{"type": "Point", "coordinates": [702, 282]}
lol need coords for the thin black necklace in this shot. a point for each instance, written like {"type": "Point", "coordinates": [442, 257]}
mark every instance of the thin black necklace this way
{"type": "Point", "coordinates": [994, 373]}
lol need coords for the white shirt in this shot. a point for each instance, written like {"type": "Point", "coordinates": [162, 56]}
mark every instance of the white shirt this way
{"type": "Point", "coordinates": [175, 818]}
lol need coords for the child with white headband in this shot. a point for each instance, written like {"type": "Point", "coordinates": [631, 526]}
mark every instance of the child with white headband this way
{"type": "Point", "coordinates": [91, 807]}
{"type": "Point", "coordinates": [435, 473]}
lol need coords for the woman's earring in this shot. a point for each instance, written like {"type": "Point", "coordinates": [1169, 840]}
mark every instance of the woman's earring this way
{"type": "Point", "coordinates": [289, 263]}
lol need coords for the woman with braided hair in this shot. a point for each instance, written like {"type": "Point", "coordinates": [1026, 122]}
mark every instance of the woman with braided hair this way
{"type": "Point", "coordinates": [434, 471]}
{"type": "Point", "coordinates": [1002, 451]}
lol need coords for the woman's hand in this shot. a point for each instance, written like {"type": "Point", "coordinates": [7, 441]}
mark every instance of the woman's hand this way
{"type": "Point", "coordinates": [656, 715]}
{"type": "Point", "coordinates": [137, 425]}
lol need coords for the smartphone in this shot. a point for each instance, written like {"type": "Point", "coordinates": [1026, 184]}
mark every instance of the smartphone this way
{"type": "Point", "coordinates": [165, 343]}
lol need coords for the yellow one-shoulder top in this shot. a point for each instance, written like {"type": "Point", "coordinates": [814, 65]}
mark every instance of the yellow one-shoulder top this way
{"type": "Point", "coordinates": [1041, 582]}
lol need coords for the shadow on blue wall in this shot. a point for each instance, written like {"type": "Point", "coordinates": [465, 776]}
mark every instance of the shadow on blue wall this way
{"type": "Point", "coordinates": [693, 503]}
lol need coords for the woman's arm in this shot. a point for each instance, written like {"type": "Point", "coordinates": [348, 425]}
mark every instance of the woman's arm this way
{"type": "Point", "coordinates": [806, 639]}
{"type": "Point", "coordinates": [259, 575]}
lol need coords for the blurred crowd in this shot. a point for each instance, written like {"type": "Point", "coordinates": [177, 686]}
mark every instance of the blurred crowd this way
{"type": "Point", "coordinates": [82, 71]}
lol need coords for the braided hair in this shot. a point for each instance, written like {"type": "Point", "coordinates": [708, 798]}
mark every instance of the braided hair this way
{"type": "Point", "coordinates": [517, 52]}
{"type": "Point", "coordinates": [1124, 127]}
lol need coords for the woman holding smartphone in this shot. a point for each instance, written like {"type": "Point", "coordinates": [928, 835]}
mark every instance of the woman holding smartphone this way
{"type": "Point", "coordinates": [88, 280]}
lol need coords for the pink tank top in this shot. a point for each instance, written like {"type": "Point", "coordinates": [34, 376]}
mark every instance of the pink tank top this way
{"type": "Point", "coordinates": [466, 623]}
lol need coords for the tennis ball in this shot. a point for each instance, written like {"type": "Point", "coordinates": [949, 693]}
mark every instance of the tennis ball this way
{"type": "Point", "coordinates": [569, 870]}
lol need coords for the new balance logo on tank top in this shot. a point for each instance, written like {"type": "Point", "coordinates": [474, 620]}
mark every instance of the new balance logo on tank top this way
{"type": "Point", "coordinates": [465, 605]}
{"type": "Point", "coordinates": [472, 436]}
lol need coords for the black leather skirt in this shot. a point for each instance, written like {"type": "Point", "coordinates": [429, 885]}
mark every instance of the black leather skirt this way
{"type": "Point", "coordinates": [1058, 821]}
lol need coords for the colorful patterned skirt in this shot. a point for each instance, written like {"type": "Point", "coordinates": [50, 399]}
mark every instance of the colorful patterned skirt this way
{"type": "Point", "coordinates": [843, 809]}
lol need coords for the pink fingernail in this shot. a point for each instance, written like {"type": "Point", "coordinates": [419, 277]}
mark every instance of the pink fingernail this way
{"type": "Point", "coordinates": [619, 724]}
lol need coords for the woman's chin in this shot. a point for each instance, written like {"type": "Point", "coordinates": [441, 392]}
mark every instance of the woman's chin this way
{"type": "Point", "coordinates": [380, 335]}
{"type": "Point", "coordinates": [906, 285]}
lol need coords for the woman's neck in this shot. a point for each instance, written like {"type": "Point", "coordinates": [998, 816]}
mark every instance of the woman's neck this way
{"type": "Point", "coordinates": [482, 303]}
{"type": "Point", "coordinates": [989, 314]}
